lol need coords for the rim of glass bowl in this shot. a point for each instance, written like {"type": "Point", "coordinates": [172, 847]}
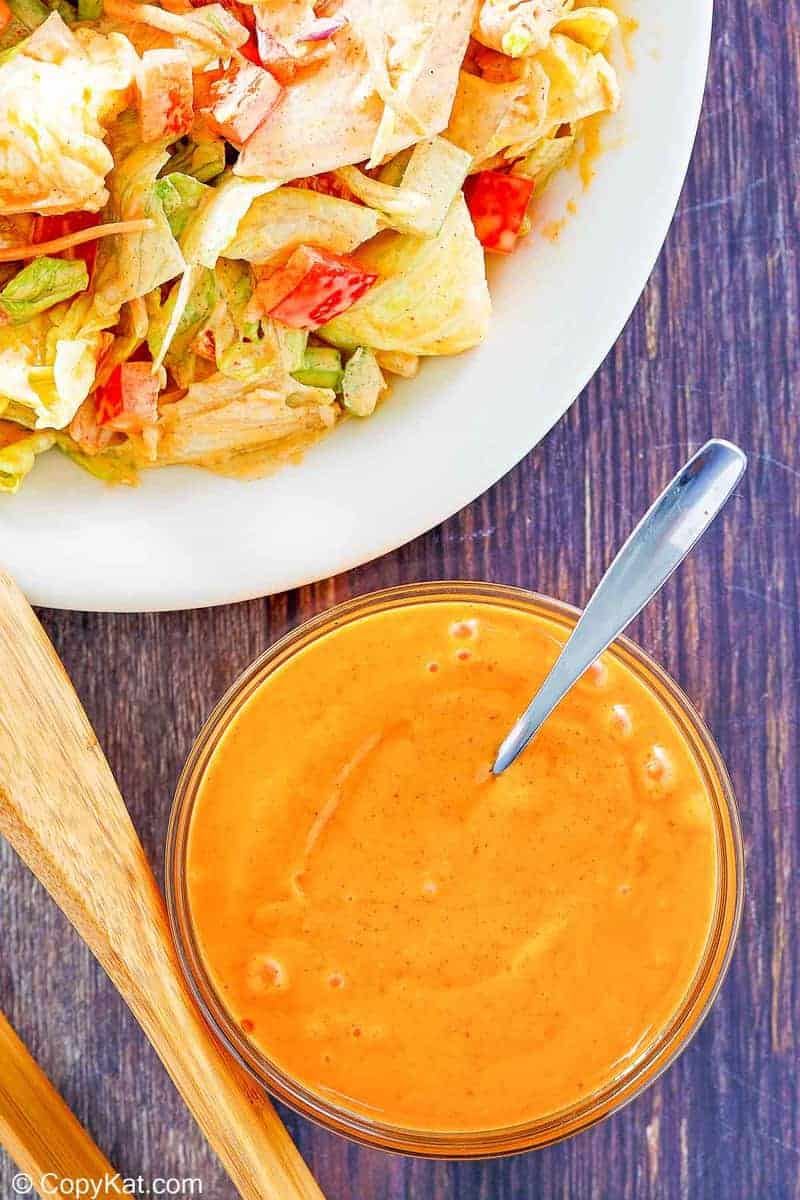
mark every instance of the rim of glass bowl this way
{"type": "Point", "coordinates": [490, 1142]}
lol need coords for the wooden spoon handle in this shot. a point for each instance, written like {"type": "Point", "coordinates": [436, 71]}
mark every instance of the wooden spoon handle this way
{"type": "Point", "coordinates": [38, 1130]}
{"type": "Point", "coordinates": [62, 812]}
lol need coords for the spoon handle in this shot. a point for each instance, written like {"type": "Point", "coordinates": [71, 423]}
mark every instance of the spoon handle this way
{"type": "Point", "coordinates": [61, 810]}
{"type": "Point", "coordinates": [657, 546]}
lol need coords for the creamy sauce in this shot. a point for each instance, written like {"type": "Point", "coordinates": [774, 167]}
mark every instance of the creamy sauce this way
{"type": "Point", "coordinates": [420, 942]}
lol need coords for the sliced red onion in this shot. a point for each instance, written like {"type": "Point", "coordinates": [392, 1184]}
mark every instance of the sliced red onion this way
{"type": "Point", "coordinates": [323, 28]}
{"type": "Point", "coordinates": [270, 50]}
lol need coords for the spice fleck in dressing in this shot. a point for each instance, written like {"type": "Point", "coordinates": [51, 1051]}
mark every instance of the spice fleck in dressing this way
{"type": "Point", "coordinates": [416, 940]}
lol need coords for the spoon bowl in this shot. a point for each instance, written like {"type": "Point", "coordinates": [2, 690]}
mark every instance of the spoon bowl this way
{"type": "Point", "coordinates": [652, 553]}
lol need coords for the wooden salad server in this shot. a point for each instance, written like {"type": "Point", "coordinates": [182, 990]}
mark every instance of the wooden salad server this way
{"type": "Point", "coordinates": [38, 1130]}
{"type": "Point", "coordinates": [61, 810]}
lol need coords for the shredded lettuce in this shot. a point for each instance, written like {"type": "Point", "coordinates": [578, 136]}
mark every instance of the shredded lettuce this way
{"type": "Point", "coordinates": [545, 158]}
{"type": "Point", "coordinates": [590, 26]}
{"type": "Point", "coordinates": [17, 458]}
{"type": "Point", "coordinates": [132, 265]}
{"type": "Point", "coordinates": [434, 173]}
{"type": "Point", "coordinates": [213, 225]}
{"type": "Point", "coordinates": [48, 364]}
{"type": "Point", "coordinates": [192, 315]}
{"type": "Point", "coordinates": [42, 284]}
{"type": "Point", "coordinates": [206, 34]}
{"type": "Point", "coordinates": [180, 195]}
{"type": "Point", "coordinates": [279, 222]}
{"type": "Point", "coordinates": [431, 298]}
{"type": "Point", "coordinates": [222, 418]}
{"type": "Point", "coordinates": [480, 110]}
{"type": "Point", "coordinates": [235, 286]}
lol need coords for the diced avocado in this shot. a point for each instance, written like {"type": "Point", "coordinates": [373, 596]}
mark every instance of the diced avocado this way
{"type": "Point", "coordinates": [363, 383]}
{"type": "Point", "coordinates": [90, 10]}
{"type": "Point", "coordinates": [30, 13]}
{"type": "Point", "coordinates": [68, 12]}
{"type": "Point", "coordinates": [293, 346]}
{"type": "Point", "coordinates": [322, 368]}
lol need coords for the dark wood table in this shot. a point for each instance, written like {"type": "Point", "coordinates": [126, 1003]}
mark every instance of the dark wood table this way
{"type": "Point", "coordinates": [711, 348]}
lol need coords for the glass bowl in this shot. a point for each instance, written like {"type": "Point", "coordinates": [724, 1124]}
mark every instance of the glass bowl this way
{"type": "Point", "coordinates": [490, 1142]}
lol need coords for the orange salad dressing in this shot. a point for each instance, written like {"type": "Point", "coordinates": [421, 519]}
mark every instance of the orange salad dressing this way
{"type": "Point", "coordinates": [422, 943]}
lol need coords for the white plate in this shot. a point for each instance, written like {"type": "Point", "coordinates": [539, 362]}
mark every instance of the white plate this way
{"type": "Point", "coordinates": [186, 538]}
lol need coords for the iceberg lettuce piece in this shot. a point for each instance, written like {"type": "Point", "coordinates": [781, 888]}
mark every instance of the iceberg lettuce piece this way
{"type": "Point", "coordinates": [179, 320]}
{"type": "Point", "coordinates": [213, 225]}
{"type": "Point", "coordinates": [44, 283]}
{"type": "Point", "coordinates": [18, 456]}
{"type": "Point", "coordinates": [56, 104]}
{"type": "Point", "coordinates": [48, 364]}
{"type": "Point", "coordinates": [223, 418]}
{"type": "Point", "coordinates": [290, 217]}
{"type": "Point", "coordinates": [180, 196]}
{"type": "Point", "coordinates": [546, 157]}
{"type": "Point", "coordinates": [419, 204]}
{"type": "Point", "coordinates": [131, 265]}
{"type": "Point", "coordinates": [591, 26]}
{"type": "Point", "coordinates": [481, 109]}
{"type": "Point", "coordinates": [431, 298]}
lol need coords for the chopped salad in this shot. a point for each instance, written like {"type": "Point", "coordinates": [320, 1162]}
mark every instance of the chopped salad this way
{"type": "Point", "coordinates": [224, 226]}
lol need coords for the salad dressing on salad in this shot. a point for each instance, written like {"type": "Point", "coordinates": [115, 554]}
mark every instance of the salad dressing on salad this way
{"type": "Point", "coordinates": [225, 226]}
{"type": "Point", "coordinates": [418, 941]}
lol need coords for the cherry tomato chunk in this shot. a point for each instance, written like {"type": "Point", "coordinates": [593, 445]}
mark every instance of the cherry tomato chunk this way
{"type": "Point", "coordinates": [165, 95]}
{"type": "Point", "coordinates": [497, 205]}
{"type": "Point", "coordinates": [239, 99]}
{"type": "Point", "coordinates": [48, 228]}
{"type": "Point", "coordinates": [129, 397]}
{"type": "Point", "coordinates": [312, 288]}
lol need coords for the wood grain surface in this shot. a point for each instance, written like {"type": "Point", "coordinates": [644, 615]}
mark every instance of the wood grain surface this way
{"type": "Point", "coordinates": [711, 348]}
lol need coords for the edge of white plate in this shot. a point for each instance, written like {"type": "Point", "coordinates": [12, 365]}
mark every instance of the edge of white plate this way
{"type": "Point", "coordinates": [380, 537]}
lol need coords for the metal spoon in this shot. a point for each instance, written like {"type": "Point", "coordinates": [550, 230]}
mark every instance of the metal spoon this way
{"type": "Point", "coordinates": [657, 546]}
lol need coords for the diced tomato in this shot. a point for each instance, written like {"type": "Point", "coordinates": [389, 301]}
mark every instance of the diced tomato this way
{"type": "Point", "coordinates": [5, 15]}
{"type": "Point", "coordinates": [202, 84]}
{"type": "Point", "coordinates": [240, 100]}
{"type": "Point", "coordinates": [46, 229]}
{"type": "Point", "coordinates": [497, 205]}
{"type": "Point", "coordinates": [165, 95]}
{"type": "Point", "coordinates": [128, 401]}
{"type": "Point", "coordinates": [312, 288]}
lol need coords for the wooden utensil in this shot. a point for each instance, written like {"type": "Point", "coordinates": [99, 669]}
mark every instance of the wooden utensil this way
{"type": "Point", "coordinates": [62, 812]}
{"type": "Point", "coordinates": [44, 1138]}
